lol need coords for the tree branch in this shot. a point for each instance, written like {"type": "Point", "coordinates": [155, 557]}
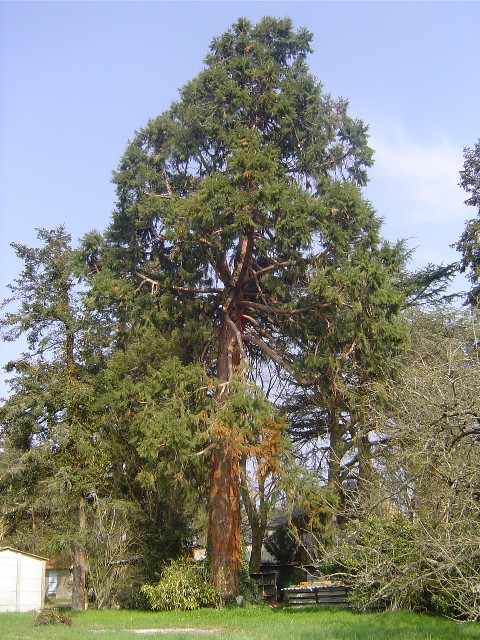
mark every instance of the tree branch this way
{"type": "Point", "coordinates": [238, 335]}
{"type": "Point", "coordinates": [283, 312]}
{"type": "Point", "coordinates": [157, 285]}
{"type": "Point", "coordinates": [268, 351]}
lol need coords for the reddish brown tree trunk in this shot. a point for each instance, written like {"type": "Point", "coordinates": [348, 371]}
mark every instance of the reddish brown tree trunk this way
{"type": "Point", "coordinates": [224, 498]}
{"type": "Point", "coordinates": [224, 518]}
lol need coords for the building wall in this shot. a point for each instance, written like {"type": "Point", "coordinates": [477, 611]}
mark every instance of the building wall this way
{"type": "Point", "coordinates": [22, 581]}
{"type": "Point", "coordinates": [8, 581]}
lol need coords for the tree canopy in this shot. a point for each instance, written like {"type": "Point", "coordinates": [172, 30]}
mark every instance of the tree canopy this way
{"type": "Point", "coordinates": [51, 437]}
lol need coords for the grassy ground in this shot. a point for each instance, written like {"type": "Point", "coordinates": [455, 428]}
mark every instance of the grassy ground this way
{"type": "Point", "coordinates": [248, 623]}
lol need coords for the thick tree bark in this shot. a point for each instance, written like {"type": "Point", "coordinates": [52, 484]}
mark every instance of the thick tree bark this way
{"type": "Point", "coordinates": [224, 518]}
{"type": "Point", "coordinates": [224, 498]}
{"type": "Point", "coordinates": [79, 592]}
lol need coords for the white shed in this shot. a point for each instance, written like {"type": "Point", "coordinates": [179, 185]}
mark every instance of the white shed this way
{"type": "Point", "coordinates": [22, 580]}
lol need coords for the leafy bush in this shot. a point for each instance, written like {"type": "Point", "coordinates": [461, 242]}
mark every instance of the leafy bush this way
{"type": "Point", "coordinates": [184, 585]}
{"type": "Point", "coordinates": [49, 616]}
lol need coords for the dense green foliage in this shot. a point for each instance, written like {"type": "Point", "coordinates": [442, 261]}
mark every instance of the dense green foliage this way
{"type": "Point", "coordinates": [240, 209]}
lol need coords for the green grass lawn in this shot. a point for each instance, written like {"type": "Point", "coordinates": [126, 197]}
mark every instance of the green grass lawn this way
{"type": "Point", "coordinates": [249, 623]}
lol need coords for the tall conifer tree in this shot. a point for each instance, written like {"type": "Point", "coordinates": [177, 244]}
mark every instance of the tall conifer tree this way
{"type": "Point", "coordinates": [229, 204]}
{"type": "Point", "coordinates": [51, 440]}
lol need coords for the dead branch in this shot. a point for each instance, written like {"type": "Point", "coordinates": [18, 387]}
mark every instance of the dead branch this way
{"type": "Point", "coordinates": [157, 285]}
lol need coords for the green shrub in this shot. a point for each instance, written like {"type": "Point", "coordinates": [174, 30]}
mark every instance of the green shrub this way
{"type": "Point", "coordinates": [283, 545]}
{"type": "Point", "coordinates": [49, 616]}
{"type": "Point", "coordinates": [184, 585]}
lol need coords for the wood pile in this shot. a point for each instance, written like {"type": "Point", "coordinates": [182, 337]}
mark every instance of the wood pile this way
{"type": "Point", "coordinates": [323, 593]}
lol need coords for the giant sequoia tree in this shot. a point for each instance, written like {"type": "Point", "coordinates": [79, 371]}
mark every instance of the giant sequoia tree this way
{"type": "Point", "coordinates": [236, 209]}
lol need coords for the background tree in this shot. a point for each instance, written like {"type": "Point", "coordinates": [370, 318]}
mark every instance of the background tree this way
{"type": "Point", "coordinates": [52, 446]}
{"type": "Point", "coordinates": [418, 547]}
{"type": "Point", "coordinates": [264, 466]}
{"type": "Point", "coordinates": [156, 405]}
{"type": "Point", "coordinates": [469, 243]}
{"type": "Point", "coordinates": [350, 362]}
{"type": "Point", "coordinates": [153, 403]}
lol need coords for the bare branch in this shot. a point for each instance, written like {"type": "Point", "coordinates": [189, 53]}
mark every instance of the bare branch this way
{"type": "Point", "coordinates": [157, 285]}
{"type": "Point", "coordinates": [272, 267]}
{"type": "Point", "coordinates": [268, 351]}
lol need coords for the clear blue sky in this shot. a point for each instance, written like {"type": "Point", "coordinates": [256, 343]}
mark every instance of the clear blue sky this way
{"type": "Point", "coordinates": [78, 78]}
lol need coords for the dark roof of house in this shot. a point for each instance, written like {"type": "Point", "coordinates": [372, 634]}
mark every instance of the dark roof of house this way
{"type": "Point", "coordinates": [281, 518]}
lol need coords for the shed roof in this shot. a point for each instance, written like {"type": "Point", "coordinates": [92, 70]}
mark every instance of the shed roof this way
{"type": "Point", "coordinates": [23, 553]}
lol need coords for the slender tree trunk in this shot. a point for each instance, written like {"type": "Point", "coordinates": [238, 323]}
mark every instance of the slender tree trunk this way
{"type": "Point", "coordinates": [258, 533]}
{"type": "Point", "coordinates": [256, 513]}
{"type": "Point", "coordinates": [79, 592]}
{"type": "Point", "coordinates": [224, 498]}
{"type": "Point", "coordinates": [366, 473]}
{"type": "Point", "coordinates": [334, 459]}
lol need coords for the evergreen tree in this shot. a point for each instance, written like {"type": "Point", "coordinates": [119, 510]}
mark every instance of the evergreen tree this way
{"type": "Point", "coordinates": [229, 204]}
{"type": "Point", "coordinates": [350, 354]}
{"type": "Point", "coordinates": [155, 431]}
{"type": "Point", "coordinates": [56, 463]}
{"type": "Point", "coordinates": [156, 396]}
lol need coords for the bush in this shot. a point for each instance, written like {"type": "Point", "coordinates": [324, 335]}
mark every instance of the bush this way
{"type": "Point", "coordinates": [184, 585]}
{"type": "Point", "coordinates": [49, 616]}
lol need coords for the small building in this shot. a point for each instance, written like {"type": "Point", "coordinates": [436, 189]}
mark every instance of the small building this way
{"type": "Point", "coordinates": [22, 580]}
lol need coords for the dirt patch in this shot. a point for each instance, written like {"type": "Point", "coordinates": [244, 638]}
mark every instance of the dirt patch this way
{"type": "Point", "coordinates": [167, 631]}
{"type": "Point", "coordinates": [171, 631]}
